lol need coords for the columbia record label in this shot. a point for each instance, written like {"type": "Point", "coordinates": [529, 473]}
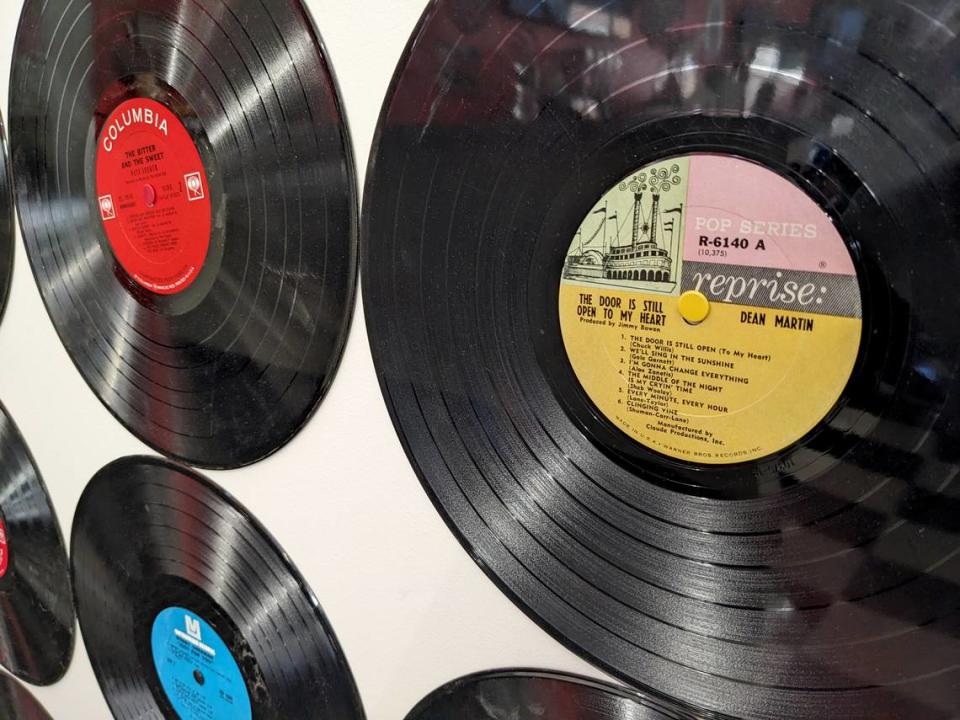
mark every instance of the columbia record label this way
{"type": "Point", "coordinates": [537, 694]}
{"type": "Point", "coordinates": [190, 610]}
{"type": "Point", "coordinates": [4, 549]}
{"type": "Point", "coordinates": [37, 622]}
{"type": "Point", "coordinates": [187, 195]}
{"type": "Point", "coordinates": [162, 238]}
{"type": "Point", "coordinates": [660, 300]}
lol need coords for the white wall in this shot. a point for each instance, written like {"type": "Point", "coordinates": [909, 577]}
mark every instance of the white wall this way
{"type": "Point", "coordinates": [411, 609]}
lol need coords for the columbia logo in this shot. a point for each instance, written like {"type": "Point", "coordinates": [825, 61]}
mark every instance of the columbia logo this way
{"type": "Point", "coordinates": [107, 209]}
{"type": "Point", "coordinates": [194, 187]}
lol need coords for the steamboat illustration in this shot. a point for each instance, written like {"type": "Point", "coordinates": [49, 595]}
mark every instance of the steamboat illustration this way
{"type": "Point", "coordinates": [649, 259]}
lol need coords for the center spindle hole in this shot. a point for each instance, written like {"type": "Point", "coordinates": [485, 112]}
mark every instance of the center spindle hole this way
{"type": "Point", "coordinates": [150, 195]}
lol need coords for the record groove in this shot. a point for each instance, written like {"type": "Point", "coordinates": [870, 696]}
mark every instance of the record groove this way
{"type": "Point", "coordinates": [187, 194]}
{"type": "Point", "coordinates": [797, 584]}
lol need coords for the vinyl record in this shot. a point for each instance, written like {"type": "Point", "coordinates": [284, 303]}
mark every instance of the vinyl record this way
{"type": "Point", "coordinates": [190, 610]}
{"type": "Point", "coordinates": [187, 195]}
{"type": "Point", "coordinates": [537, 695]}
{"type": "Point", "coordinates": [7, 223]}
{"type": "Point", "coordinates": [36, 604]}
{"type": "Point", "coordinates": [661, 298]}
{"type": "Point", "coordinates": [16, 702]}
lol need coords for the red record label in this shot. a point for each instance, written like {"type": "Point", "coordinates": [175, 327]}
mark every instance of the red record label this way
{"type": "Point", "coordinates": [4, 549]}
{"type": "Point", "coordinates": [153, 197]}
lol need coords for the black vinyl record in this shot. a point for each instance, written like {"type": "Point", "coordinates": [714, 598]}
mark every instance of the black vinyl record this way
{"type": "Point", "coordinates": [187, 194]}
{"type": "Point", "coordinates": [7, 222]}
{"type": "Point", "coordinates": [190, 610]}
{"type": "Point", "coordinates": [537, 695]}
{"type": "Point", "coordinates": [660, 296]}
{"type": "Point", "coordinates": [36, 603]}
{"type": "Point", "coordinates": [17, 703]}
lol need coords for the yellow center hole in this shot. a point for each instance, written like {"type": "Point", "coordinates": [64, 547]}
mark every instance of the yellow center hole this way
{"type": "Point", "coordinates": [694, 307]}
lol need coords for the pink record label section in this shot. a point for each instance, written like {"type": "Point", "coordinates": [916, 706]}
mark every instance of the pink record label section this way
{"type": "Point", "coordinates": [740, 213]}
{"type": "Point", "coordinates": [4, 550]}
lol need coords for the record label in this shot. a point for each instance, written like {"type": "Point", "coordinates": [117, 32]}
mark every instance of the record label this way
{"type": "Point", "coordinates": [199, 675]}
{"type": "Point", "coordinates": [4, 549]}
{"type": "Point", "coordinates": [153, 196]}
{"type": "Point", "coordinates": [702, 296]}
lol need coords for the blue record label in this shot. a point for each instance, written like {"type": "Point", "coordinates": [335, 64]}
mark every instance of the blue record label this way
{"type": "Point", "coordinates": [197, 672]}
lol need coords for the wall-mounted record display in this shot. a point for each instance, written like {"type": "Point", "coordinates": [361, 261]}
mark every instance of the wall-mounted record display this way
{"type": "Point", "coordinates": [7, 222]}
{"type": "Point", "coordinates": [17, 703]}
{"type": "Point", "coordinates": [190, 610]}
{"type": "Point", "coordinates": [538, 695]}
{"type": "Point", "coordinates": [187, 195]}
{"type": "Point", "coordinates": [36, 604]}
{"type": "Point", "coordinates": [660, 296]}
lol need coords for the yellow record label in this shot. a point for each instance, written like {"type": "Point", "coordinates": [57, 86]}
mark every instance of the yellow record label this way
{"type": "Point", "coordinates": [711, 310]}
